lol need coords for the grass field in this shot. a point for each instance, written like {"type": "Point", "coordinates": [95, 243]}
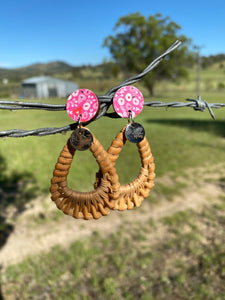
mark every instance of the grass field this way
{"type": "Point", "coordinates": [185, 128]}
{"type": "Point", "coordinates": [177, 254]}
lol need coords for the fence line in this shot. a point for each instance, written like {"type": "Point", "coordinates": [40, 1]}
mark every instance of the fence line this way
{"type": "Point", "coordinates": [105, 102]}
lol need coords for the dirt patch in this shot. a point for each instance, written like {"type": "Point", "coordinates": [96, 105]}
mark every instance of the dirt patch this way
{"type": "Point", "coordinates": [41, 226]}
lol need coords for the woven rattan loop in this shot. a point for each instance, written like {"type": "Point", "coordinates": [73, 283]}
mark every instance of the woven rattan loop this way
{"type": "Point", "coordinates": [134, 193]}
{"type": "Point", "coordinates": [86, 205]}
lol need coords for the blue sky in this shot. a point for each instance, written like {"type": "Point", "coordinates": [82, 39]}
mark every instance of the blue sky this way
{"type": "Point", "coordinates": [74, 31]}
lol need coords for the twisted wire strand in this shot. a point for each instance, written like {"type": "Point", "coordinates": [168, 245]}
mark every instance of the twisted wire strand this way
{"type": "Point", "coordinates": [103, 112]}
{"type": "Point", "coordinates": [37, 132]}
{"type": "Point", "coordinates": [196, 104]}
{"type": "Point", "coordinates": [149, 68]}
{"type": "Point", "coordinates": [16, 105]}
{"type": "Point", "coordinates": [54, 130]}
{"type": "Point", "coordinates": [21, 105]}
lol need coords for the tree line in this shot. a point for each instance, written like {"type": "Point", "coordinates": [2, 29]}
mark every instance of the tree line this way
{"type": "Point", "coordinates": [139, 39]}
{"type": "Point", "coordinates": [207, 61]}
{"type": "Point", "coordinates": [136, 42]}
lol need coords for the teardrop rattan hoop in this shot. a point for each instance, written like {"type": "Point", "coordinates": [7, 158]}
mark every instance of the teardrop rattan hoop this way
{"type": "Point", "coordinates": [85, 205]}
{"type": "Point", "coordinates": [134, 193]}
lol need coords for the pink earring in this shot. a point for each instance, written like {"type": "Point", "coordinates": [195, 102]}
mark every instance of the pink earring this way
{"type": "Point", "coordinates": [128, 102]}
{"type": "Point", "coordinates": [82, 105]}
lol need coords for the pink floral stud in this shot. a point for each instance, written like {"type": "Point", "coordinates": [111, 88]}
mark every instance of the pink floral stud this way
{"type": "Point", "coordinates": [82, 105]}
{"type": "Point", "coordinates": [128, 102]}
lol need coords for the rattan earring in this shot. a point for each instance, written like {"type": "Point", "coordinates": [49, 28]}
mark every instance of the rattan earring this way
{"type": "Point", "coordinates": [136, 191]}
{"type": "Point", "coordinates": [85, 205]}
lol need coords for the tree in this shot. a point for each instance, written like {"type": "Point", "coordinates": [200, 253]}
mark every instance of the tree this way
{"type": "Point", "coordinates": [138, 40]}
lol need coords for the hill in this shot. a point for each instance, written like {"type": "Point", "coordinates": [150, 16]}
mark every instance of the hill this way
{"type": "Point", "coordinates": [56, 68]}
{"type": "Point", "coordinates": [37, 69]}
{"type": "Point", "coordinates": [10, 79]}
{"type": "Point", "coordinates": [101, 77]}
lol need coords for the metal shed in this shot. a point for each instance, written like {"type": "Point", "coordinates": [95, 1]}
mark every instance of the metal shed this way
{"type": "Point", "coordinates": [47, 87]}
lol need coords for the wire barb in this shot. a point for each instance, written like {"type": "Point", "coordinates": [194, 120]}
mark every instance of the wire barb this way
{"type": "Point", "coordinates": [202, 105]}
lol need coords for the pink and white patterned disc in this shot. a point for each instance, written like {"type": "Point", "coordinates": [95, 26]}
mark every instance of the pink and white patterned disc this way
{"type": "Point", "coordinates": [83, 103]}
{"type": "Point", "coordinates": [128, 99]}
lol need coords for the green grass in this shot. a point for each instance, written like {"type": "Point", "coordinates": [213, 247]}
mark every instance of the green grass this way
{"type": "Point", "coordinates": [188, 263]}
{"type": "Point", "coordinates": [179, 138]}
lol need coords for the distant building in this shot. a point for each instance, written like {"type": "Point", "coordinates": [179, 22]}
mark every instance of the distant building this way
{"type": "Point", "coordinates": [47, 87]}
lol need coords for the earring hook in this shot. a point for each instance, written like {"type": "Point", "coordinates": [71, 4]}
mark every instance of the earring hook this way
{"type": "Point", "coordinates": [79, 122]}
{"type": "Point", "coordinates": [130, 116]}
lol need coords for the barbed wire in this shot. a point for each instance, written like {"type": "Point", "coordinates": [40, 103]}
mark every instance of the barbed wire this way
{"type": "Point", "coordinates": [103, 99]}
{"type": "Point", "coordinates": [196, 104]}
{"type": "Point", "coordinates": [21, 105]}
{"type": "Point", "coordinates": [105, 102]}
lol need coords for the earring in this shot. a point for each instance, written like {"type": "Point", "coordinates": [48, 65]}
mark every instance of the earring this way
{"type": "Point", "coordinates": [82, 105]}
{"type": "Point", "coordinates": [128, 102]}
{"type": "Point", "coordinates": [135, 192]}
{"type": "Point", "coordinates": [92, 204]}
